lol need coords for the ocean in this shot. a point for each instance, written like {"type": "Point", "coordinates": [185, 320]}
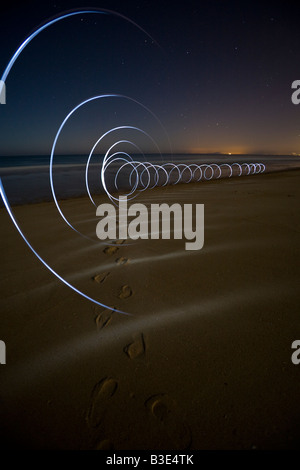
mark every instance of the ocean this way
{"type": "Point", "coordinates": [26, 178]}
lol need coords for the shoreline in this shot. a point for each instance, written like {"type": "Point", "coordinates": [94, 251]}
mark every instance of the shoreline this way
{"type": "Point", "coordinates": [49, 198]}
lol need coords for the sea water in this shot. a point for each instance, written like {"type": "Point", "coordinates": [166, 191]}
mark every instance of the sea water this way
{"type": "Point", "coordinates": [26, 178]}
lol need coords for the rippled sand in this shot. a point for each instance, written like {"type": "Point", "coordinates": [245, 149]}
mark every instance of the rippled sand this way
{"type": "Point", "coordinates": [203, 358]}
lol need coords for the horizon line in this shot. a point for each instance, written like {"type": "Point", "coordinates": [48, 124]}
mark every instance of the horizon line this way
{"type": "Point", "coordinates": [224, 154]}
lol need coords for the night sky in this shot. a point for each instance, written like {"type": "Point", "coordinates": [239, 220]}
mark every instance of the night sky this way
{"type": "Point", "coordinates": [217, 74]}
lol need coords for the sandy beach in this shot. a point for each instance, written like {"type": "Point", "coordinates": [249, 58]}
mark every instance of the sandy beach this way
{"type": "Point", "coordinates": [202, 361]}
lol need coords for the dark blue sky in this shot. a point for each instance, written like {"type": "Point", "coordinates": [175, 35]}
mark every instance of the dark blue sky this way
{"type": "Point", "coordinates": [219, 80]}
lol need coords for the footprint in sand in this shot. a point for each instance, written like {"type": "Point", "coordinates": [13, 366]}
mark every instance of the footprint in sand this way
{"type": "Point", "coordinates": [101, 277]}
{"type": "Point", "coordinates": [122, 260]}
{"type": "Point", "coordinates": [104, 317]}
{"type": "Point", "coordinates": [174, 430]}
{"type": "Point", "coordinates": [125, 292]}
{"type": "Point", "coordinates": [160, 406]}
{"type": "Point", "coordinates": [100, 400]}
{"type": "Point", "coordinates": [110, 250]}
{"type": "Point", "coordinates": [119, 242]}
{"type": "Point", "coordinates": [137, 348]}
{"type": "Point", "coordinates": [104, 445]}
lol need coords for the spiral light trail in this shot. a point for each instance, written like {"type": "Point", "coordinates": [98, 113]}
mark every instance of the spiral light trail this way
{"type": "Point", "coordinates": [138, 173]}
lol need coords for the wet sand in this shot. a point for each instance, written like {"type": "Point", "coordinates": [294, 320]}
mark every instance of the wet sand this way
{"type": "Point", "coordinates": [203, 361]}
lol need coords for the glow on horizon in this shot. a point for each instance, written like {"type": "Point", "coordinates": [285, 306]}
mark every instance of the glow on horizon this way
{"type": "Point", "coordinates": [237, 151]}
{"type": "Point", "coordinates": [232, 151]}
